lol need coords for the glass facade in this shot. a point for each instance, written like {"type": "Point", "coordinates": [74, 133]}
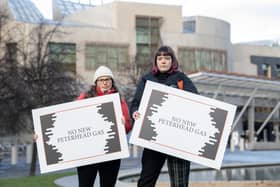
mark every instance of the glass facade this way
{"type": "Point", "coordinates": [70, 7]}
{"type": "Point", "coordinates": [277, 69]}
{"type": "Point", "coordinates": [189, 26]}
{"type": "Point", "coordinates": [114, 56]}
{"type": "Point", "coordinates": [64, 53]}
{"type": "Point", "coordinates": [193, 59]}
{"type": "Point", "coordinates": [25, 10]}
{"type": "Point", "coordinates": [147, 40]}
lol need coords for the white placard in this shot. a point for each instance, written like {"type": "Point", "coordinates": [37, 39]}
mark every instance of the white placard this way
{"type": "Point", "coordinates": [80, 132]}
{"type": "Point", "coordinates": [183, 124]}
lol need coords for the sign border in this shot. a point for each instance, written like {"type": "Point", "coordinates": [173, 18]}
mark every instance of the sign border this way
{"type": "Point", "coordinates": [37, 113]}
{"type": "Point", "coordinates": [135, 139]}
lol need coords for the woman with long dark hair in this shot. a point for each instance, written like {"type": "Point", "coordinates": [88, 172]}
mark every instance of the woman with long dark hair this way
{"type": "Point", "coordinates": [164, 71]}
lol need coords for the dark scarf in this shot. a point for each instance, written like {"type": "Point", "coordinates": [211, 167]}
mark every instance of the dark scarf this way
{"type": "Point", "coordinates": [162, 77]}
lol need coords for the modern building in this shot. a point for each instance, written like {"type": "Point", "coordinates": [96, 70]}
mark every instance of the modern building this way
{"type": "Point", "coordinates": [124, 36]}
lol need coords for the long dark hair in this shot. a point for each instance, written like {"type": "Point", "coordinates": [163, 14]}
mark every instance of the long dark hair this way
{"type": "Point", "coordinates": [92, 92]}
{"type": "Point", "coordinates": [165, 51]}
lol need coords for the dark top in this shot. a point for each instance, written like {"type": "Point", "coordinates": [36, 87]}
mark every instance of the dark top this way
{"type": "Point", "coordinates": [163, 78]}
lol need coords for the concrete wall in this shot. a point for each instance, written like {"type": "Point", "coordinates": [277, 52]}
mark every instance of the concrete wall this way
{"type": "Point", "coordinates": [114, 24]}
{"type": "Point", "coordinates": [241, 55]}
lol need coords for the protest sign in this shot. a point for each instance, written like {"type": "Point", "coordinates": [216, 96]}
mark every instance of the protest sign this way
{"type": "Point", "coordinates": [183, 124]}
{"type": "Point", "coordinates": [80, 132]}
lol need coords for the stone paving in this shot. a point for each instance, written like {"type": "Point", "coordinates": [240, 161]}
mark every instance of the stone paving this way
{"type": "Point", "coordinates": [132, 166]}
{"type": "Point", "coordinates": [235, 159]}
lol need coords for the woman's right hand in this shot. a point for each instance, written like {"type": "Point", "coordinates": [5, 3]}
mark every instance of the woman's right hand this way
{"type": "Point", "coordinates": [136, 115]}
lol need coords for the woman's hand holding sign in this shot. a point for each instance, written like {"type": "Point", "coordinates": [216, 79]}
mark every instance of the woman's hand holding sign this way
{"type": "Point", "coordinates": [136, 115]}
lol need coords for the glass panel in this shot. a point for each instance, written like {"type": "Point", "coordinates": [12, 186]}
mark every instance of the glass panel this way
{"type": "Point", "coordinates": [189, 26]}
{"type": "Point", "coordinates": [216, 61]}
{"type": "Point", "coordinates": [155, 35]}
{"type": "Point", "coordinates": [101, 58]}
{"type": "Point", "coordinates": [197, 56]}
{"type": "Point", "coordinates": [142, 22]}
{"type": "Point", "coordinates": [212, 60]}
{"type": "Point", "coordinates": [223, 65]}
{"type": "Point", "coordinates": [113, 52]}
{"type": "Point", "coordinates": [123, 55]}
{"type": "Point", "coordinates": [202, 59]}
{"type": "Point", "coordinates": [90, 50]}
{"type": "Point", "coordinates": [186, 58]}
{"type": "Point", "coordinates": [182, 59]}
{"type": "Point", "coordinates": [147, 33]}
{"type": "Point", "coordinates": [191, 65]}
{"type": "Point", "coordinates": [142, 35]}
{"type": "Point", "coordinates": [112, 56]}
{"type": "Point", "coordinates": [153, 49]}
{"type": "Point", "coordinates": [155, 22]}
{"type": "Point", "coordinates": [90, 63]}
{"type": "Point", "coordinates": [277, 69]}
{"type": "Point", "coordinates": [64, 53]}
{"type": "Point", "coordinates": [148, 38]}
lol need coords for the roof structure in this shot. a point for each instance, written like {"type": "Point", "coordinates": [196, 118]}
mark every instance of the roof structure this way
{"type": "Point", "coordinates": [25, 11]}
{"type": "Point", "coordinates": [233, 85]}
{"type": "Point", "coordinates": [269, 43]}
{"type": "Point", "coordinates": [68, 7]}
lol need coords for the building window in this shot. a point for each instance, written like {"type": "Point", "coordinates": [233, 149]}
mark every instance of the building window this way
{"type": "Point", "coordinates": [147, 30]}
{"type": "Point", "coordinates": [114, 56]}
{"type": "Point", "coordinates": [267, 66]}
{"type": "Point", "coordinates": [192, 60]}
{"type": "Point", "coordinates": [147, 40]}
{"type": "Point", "coordinates": [277, 69]}
{"type": "Point", "coordinates": [189, 26]}
{"type": "Point", "coordinates": [64, 53]}
{"type": "Point", "coordinates": [11, 53]}
{"type": "Point", "coordinates": [266, 70]}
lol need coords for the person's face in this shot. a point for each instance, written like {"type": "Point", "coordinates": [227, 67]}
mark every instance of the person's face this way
{"type": "Point", "coordinates": [104, 83]}
{"type": "Point", "coordinates": [164, 63]}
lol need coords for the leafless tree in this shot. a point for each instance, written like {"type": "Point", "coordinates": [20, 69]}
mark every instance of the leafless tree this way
{"type": "Point", "coordinates": [31, 79]}
{"type": "Point", "coordinates": [129, 75]}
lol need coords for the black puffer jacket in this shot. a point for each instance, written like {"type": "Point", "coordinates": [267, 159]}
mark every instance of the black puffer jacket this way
{"type": "Point", "coordinates": [169, 80]}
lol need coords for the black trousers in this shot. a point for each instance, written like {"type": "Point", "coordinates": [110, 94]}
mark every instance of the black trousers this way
{"type": "Point", "coordinates": [152, 163]}
{"type": "Point", "coordinates": [108, 172]}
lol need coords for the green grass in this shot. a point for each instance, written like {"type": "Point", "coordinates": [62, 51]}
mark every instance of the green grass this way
{"type": "Point", "coordinates": [46, 180]}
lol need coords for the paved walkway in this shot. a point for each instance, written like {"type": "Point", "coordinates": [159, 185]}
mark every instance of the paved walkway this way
{"type": "Point", "coordinates": [131, 166]}
{"type": "Point", "coordinates": [72, 181]}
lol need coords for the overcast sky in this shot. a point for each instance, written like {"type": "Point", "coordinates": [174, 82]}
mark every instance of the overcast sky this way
{"type": "Point", "coordinates": [250, 20]}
